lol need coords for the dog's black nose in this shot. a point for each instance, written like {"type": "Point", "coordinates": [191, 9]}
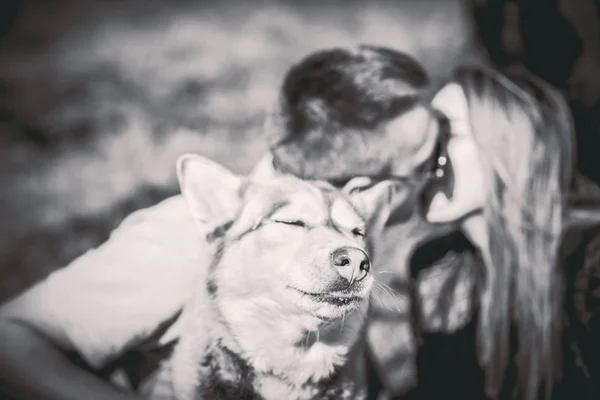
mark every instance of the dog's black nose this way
{"type": "Point", "coordinates": [351, 263]}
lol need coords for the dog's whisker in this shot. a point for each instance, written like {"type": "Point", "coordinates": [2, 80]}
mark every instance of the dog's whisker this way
{"type": "Point", "coordinates": [378, 298]}
{"type": "Point", "coordinates": [386, 288]}
{"type": "Point", "coordinates": [385, 304]}
{"type": "Point", "coordinates": [384, 272]}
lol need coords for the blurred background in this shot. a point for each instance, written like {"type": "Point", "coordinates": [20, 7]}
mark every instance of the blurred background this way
{"type": "Point", "coordinates": [98, 98]}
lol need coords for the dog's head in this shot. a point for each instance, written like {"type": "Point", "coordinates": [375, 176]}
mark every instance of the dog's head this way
{"type": "Point", "coordinates": [293, 247]}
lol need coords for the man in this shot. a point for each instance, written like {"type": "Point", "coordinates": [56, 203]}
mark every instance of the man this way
{"type": "Point", "coordinates": [342, 113]}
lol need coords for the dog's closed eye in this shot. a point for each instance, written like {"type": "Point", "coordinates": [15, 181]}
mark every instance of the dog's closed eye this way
{"type": "Point", "coordinates": [299, 223]}
{"type": "Point", "coordinates": [358, 232]}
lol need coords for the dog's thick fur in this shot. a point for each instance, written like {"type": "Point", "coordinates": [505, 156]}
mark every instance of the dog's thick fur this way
{"type": "Point", "coordinates": [255, 330]}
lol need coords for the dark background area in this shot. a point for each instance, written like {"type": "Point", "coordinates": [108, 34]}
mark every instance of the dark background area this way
{"type": "Point", "coordinates": [98, 98]}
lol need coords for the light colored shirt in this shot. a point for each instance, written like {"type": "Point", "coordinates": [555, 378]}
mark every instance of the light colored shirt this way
{"type": "Point", "coordinates": [113, 298]}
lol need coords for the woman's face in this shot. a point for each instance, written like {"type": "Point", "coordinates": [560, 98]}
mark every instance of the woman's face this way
{"type": "Point", "coordinates": [462, 193]}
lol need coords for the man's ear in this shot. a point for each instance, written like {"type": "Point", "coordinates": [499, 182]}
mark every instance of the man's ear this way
{"type": "Point", "coordinates": [374, 201]}
{"type": "Point", "coordinates": [213, 192]}
{"type": "Point", "coordinates": [264, 170]}
{"type": "Point", "coordinates": [274, 125]}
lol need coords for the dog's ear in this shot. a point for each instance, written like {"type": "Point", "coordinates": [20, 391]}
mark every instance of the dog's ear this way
{"type": "Point", "coordinates": [213, 192]}
{"type": "Point", "coordinates": [375, 201]}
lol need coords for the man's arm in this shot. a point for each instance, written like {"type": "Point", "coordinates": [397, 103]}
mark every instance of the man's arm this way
{"type": "Point", "coordinates": [101, 305]}
{"type": "Point", "coordinates": [33, 367]}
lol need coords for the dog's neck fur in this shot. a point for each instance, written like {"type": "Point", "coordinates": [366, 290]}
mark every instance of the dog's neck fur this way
{"type": "Point", "coordinates": [292, 363]}
{"type": "Point", "coordinates": [303, 348]}
{"type": "Point", "coordinates": [276, 356]}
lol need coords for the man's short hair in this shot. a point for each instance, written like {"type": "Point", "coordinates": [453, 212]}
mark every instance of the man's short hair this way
{"type": "Point", "coordinates": [331, 106]}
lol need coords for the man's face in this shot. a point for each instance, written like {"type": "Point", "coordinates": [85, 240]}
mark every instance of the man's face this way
{"type": "Point", "coordinates": [400, 150]}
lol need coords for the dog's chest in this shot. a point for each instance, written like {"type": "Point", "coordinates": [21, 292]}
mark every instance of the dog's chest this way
{"type": "Point", "coordinates": [226, 376]}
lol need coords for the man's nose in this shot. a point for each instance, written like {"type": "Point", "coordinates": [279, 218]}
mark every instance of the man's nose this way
{"type": "Point", "coordinates": [351, 263]}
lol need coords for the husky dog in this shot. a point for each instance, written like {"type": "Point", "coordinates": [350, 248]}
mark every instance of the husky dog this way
{"type": "Point", "coordinates": [281, 310]}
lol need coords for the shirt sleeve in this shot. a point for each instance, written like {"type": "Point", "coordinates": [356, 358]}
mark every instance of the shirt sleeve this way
{"type": "Point", "coordinates": [113, 297]}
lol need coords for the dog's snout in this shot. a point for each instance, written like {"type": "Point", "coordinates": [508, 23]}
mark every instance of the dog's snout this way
{"type": "Point", "coordinates": [351, 263]}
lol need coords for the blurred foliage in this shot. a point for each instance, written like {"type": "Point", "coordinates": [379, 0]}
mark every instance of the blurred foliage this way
{"type": "Point", "coordinates": [98, 98]}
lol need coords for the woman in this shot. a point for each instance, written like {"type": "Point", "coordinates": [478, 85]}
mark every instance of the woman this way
{"type": "Point", "coordinates": [511, 156]}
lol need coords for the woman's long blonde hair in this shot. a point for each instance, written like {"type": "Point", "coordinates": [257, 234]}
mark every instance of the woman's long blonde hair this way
{"type": "Point", "coordinates": [524, 132]}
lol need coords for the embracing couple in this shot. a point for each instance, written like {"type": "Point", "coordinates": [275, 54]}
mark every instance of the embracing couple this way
{"type": "Point", "coordinates": [460, 201]}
